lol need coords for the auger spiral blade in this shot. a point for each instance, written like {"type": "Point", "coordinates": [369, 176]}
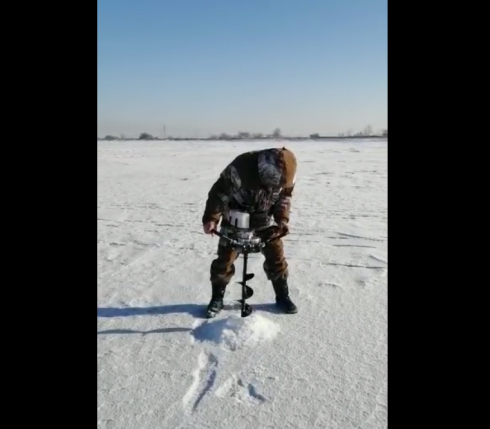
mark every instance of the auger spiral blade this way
{"type": "Point", "coordinates": [247, 293]}
{"type": "Point", "coordinates": [246, 309]}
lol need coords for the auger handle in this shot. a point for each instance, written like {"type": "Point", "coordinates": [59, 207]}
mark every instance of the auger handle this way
{"type": "Point", "coordinates": [236, 243]}
{"type": "Point", "coordinates": [219, 234]}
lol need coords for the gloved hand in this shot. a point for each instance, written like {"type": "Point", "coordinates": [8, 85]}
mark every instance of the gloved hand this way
{"type": "Point", "coordinates": [283, 228]}
{"type": "Point", "coordinates": [208, 227]}
{"type": "Point", "coordinates": [274, 231]}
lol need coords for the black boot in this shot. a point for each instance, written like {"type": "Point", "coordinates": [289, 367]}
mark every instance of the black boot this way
{"type": "Point", "coordinates": [216, 303]}
{"type": "Point", "coordinates": [283, 301]}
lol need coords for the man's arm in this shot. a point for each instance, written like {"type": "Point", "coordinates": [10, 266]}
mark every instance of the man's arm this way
{"type": "Point", "coordinates": [282, 207]}
{"type": "Point", "coordinates": [220, 194]}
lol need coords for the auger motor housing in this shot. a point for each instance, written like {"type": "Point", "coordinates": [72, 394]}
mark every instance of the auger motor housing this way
{"type": "Point", "coordinates": [243, 235]}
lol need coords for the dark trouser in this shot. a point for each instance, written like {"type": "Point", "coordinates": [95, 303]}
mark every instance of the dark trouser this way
{"type": "Point", "coordinates": [223, 268]}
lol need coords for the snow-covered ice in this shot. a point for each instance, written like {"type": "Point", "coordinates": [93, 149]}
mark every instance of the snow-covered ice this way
{"type": "Point", "coordinates": [161, 365]}
{"type": "Point", "coordinates": [235, 331]}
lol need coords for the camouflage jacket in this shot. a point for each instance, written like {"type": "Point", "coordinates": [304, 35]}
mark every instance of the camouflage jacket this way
{"type": "Point", "coordinates": [258, 182]}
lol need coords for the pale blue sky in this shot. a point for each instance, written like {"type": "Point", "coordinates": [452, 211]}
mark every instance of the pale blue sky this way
{"type": "Point", "coordinates": [209, 66]}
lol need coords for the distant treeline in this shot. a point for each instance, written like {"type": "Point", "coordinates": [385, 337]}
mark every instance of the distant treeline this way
{"type": "Point", "coordinates": [367, 133]}
{"type": "Point", "coordinates": [111, 138]}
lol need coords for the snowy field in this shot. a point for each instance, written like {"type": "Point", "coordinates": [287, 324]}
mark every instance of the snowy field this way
{"type": "Point", "coordinates": [161, 365]}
